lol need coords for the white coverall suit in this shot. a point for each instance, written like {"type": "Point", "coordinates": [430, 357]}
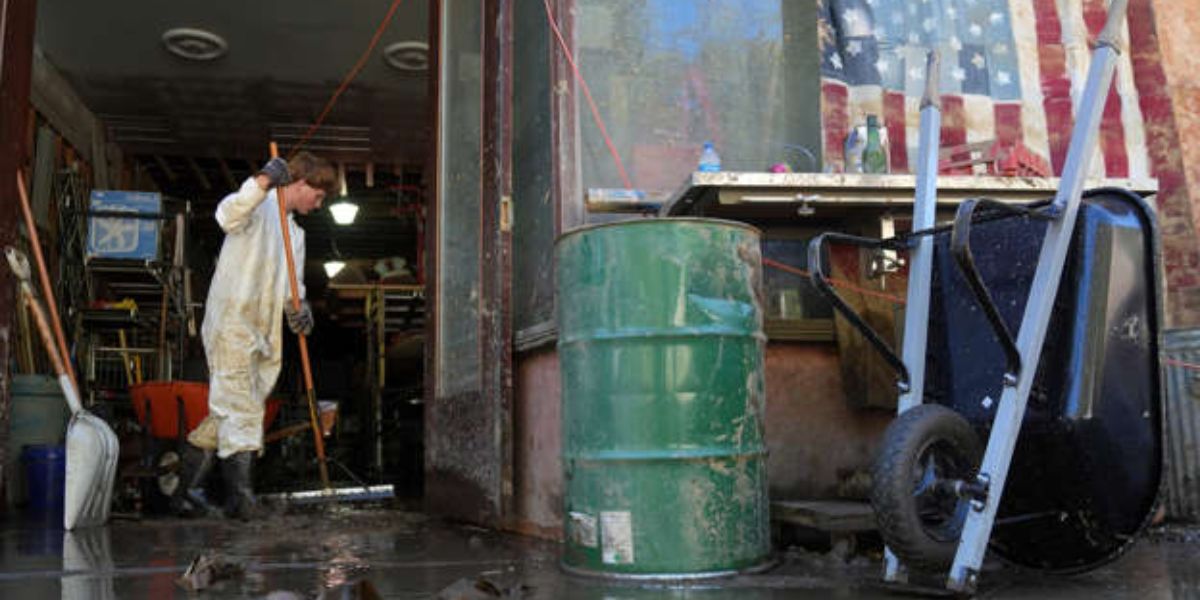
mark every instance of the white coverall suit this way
{"type": "Point", "coordinates": [243, 319]}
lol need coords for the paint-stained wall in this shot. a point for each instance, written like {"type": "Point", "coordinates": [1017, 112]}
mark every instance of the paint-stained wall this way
{"type": "Point", "coordinates": [1165, 45]}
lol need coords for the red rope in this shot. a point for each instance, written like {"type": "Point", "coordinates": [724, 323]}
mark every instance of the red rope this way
{"type": "Point", "coordinates": [850, 286]}
{"type": "Point", "coordinates": [587, 92]}
{"type": "Point", "coordinates": [358, 66]}
{"type": "Point", "coordinates": [1179, 363]}
{"type": "Point", "coordinates": [839, 283]}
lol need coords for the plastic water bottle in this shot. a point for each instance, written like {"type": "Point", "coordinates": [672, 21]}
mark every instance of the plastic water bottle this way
{"type": "Point", "coordinates": [852, 150]}
{"type": "Point", "coordinates": [710, 161]}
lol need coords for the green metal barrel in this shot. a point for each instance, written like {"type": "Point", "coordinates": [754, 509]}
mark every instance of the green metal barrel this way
{"type": "Point", "coordinates": [661, 354]}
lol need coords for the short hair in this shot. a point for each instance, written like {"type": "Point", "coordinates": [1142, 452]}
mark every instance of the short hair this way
{"type": "Point", "coordinates": [313, 170]}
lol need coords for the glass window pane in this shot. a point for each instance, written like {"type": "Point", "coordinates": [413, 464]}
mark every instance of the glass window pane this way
{"type": "Point", "coordinates": [533, 208]}
{"type": "Point", "coordinates": [668, 75]}
{"type": "Point", "coordinates": [459, 184]}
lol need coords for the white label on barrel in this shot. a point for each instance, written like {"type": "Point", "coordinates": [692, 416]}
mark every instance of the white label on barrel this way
{"type": "Point", "coordinates": [616, 534]}
{"type": "Point", "coordinates": [583, 529]}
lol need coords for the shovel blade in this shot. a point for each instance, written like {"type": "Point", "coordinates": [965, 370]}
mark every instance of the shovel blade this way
{"type": "Point", "coordinates": [92, 452]}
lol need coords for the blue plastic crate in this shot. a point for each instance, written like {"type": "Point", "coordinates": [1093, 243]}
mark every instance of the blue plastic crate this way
{"type": "Point", "coordinates": [114, 237]}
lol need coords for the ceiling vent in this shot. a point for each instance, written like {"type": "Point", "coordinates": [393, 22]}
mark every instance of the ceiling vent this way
{"type": "Point", "coordinates": [407, 56]}
{"type": "Point", "coordinates": [194, 44]}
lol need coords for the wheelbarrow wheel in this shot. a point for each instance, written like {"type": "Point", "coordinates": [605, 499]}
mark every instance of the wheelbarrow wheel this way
{"type": "Point", "coordinates": [925, 450]}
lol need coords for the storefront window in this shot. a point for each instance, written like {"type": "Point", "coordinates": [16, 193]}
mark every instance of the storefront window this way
{"type": "Point", "coordinates": [669, 75]}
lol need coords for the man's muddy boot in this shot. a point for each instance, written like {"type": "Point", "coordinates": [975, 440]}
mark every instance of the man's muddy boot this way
{"type": "Point", "coordinates": [190, 499]}
{"type": "Point", "coordinates": [238, 471]}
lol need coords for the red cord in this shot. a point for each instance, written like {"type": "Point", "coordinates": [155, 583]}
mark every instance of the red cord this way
{"type": "Point", "coordinates": [587, 92]}
{"type": "Point", "coordinates": [1179, 363]}
{"type": "Point", "coordinates": [358, 66]}
{"type": "Point", "coordinates": [835, 282]}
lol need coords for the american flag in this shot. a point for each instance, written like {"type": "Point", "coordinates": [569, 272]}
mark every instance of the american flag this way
{"type": "Point", "coordinates": [1011, 72]}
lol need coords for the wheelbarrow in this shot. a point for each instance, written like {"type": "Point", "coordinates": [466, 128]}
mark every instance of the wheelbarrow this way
{"type": "Point", "coordinates": [169, 410]}
{"type": "Point", "coordinates": [1070, 408]}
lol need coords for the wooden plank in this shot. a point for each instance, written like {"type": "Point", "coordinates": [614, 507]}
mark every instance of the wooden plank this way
{"type": "Point", "coordinates": [825, 515]}
{"type": "Point", "coordinates": [199, 173]}
{"type": "Point", "coordinates": [168, 172]}
{"type": "Point", "coordinates": [58, 102]}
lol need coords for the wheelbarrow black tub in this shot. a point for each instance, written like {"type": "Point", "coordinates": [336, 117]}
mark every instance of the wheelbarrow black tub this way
{"type": "Point", "coordinates": [1088, 465]}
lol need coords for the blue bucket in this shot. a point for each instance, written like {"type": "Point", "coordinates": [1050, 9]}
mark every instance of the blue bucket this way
{"type": "Point", "coordinates": [45, 478]}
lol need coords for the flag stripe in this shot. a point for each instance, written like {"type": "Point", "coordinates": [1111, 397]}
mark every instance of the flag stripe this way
{"type": "Point", "coordinates": [1009, 129]}
{"type": "Point", "coordinates": [834, 109]}
{"type": "Point", "coordinates": [1056, 86]}
{"type": "Point", "coordinates": [894, 119]}
{"type": "Point", "coordinates": [954, 123]}
{"type": "Point", "coordinates": [1131, 116]}
{"type": "Point", "coordinates": [979, 118]}
{"type": "Point", "coordinates": [1112, 128]}
{"type": "Point", "coordinates": [1032, 113]}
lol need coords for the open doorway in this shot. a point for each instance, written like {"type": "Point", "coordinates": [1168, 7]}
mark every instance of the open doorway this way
{"type": "Point", "coordinates": [179, 102]}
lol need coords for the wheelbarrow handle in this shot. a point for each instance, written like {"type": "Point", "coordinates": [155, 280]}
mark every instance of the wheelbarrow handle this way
{"type": "Point", "coordinates": [817, 251]}
{"type": "Point", "coordinates": [1111, 34]}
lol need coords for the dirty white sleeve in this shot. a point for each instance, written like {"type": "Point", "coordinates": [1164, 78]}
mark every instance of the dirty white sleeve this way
{"type": "Point", "coordinates": [236, 209]}
{"type": "Point", "coordinates": [299, 252]}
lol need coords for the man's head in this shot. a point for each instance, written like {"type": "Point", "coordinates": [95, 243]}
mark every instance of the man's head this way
{"type": "Point", "coordinates": [313, 178]}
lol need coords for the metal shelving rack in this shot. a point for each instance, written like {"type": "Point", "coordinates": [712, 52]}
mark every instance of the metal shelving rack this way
{"type": "Point", "coordinates": [123, 346]}
{"type": "Point", "coordinates": [388, 309]}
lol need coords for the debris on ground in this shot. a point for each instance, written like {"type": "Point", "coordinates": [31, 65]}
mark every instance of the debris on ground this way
{"type": "Point", "coordinates": [480, 588]}
{"type": "Point", "coordinates": [206, 570]}
{"type": "Point", "coordinates": [283, 595]}
{"type": "Point", "coordinates": [359, 590]}
{"type": "Point", "coordinates": [1176, 532]}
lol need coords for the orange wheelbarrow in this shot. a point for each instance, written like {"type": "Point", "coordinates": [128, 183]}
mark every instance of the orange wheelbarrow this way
{"type": "Point", "coordinates": [168, 410]}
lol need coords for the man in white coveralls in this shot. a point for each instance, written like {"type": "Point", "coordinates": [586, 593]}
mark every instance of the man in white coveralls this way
{"type": "Point", "coordinates": [243, 328]}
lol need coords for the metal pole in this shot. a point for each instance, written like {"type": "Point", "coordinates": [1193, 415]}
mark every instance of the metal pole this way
{"type": "Point", "coordinates": [1035, 322]}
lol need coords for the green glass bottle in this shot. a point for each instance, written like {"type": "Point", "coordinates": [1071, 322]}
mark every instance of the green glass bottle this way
{"type": "Point", "coordinates": [875, 158]}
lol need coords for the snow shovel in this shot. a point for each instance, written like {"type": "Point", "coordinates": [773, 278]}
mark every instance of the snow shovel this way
{"type": "Point", "coordinates": [92, 447]}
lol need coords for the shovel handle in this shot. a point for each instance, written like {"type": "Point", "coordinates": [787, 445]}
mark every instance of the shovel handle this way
{"type": "Point", "coordinates": [305, 363]}
{"type": "Point", "coordinates": [44, 275]}
{"type": "Point", "coordinates": [64, 378]}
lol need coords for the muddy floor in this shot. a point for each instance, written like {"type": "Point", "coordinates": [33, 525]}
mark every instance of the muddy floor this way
{"type": "Point", "coordinates": [328, 554]}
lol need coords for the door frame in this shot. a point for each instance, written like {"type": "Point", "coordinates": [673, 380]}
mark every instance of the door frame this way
{"type": "Point", "coordinates": [455, 493]}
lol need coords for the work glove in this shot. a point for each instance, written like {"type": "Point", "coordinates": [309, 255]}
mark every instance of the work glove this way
{"type": "Point", "coordinates": [299, 321]}
{"type": "Point", "coordinates": [276, 170]}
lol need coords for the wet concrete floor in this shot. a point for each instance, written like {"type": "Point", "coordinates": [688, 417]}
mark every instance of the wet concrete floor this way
{"type": "Point", "coordinates": [406, 555]}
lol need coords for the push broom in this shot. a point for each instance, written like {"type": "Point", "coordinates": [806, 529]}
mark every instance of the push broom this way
{"type": "Point", "coordinates": [326, 492]}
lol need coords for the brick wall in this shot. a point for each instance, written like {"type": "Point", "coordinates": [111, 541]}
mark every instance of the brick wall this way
{"type": "Point", "coordinates": [1165, 49]}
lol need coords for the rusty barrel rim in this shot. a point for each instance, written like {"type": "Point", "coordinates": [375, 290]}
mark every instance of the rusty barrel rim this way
{"type": "Point", "coordinates": [770, 562]}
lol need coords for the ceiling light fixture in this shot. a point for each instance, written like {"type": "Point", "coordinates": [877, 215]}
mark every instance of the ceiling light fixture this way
{"type": "Point", "coordinates": [344, 212]}
{"type": "Point", "coordinates": [409, 56]}
{"type": "Point", "coordinates": [333, 267]}
{"type": "Point", "coordinates": [194, 44]}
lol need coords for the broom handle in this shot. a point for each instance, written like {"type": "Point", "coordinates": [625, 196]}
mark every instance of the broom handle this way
{"type": "Point", "coordinates": [309, 388]}
{"type": "Point", "coordinates": [44, 276]}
